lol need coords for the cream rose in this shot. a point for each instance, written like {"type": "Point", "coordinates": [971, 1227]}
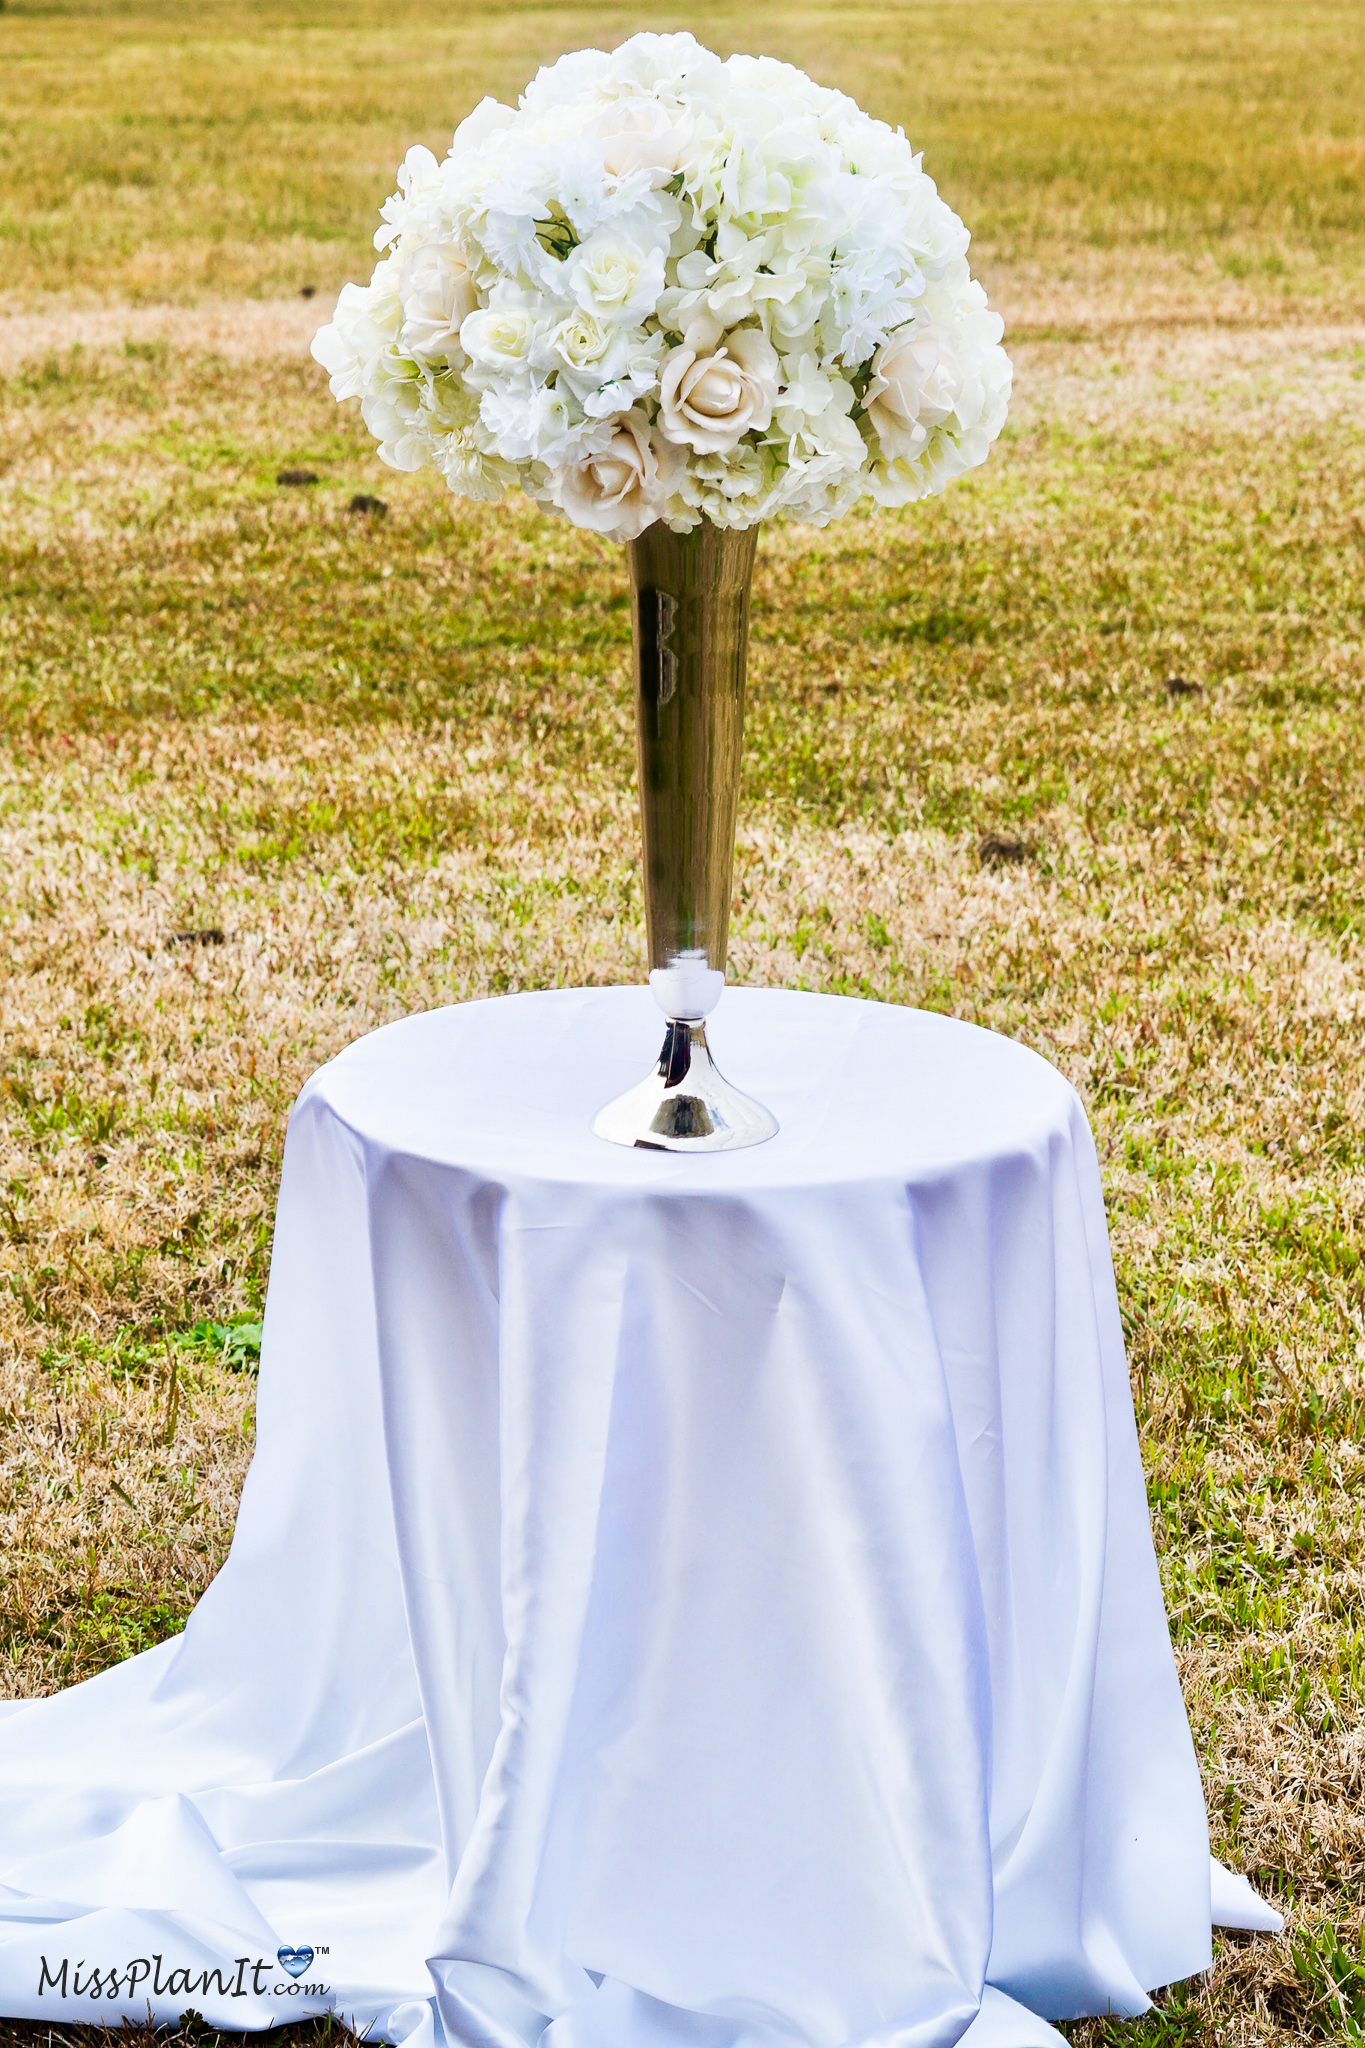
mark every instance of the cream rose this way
{"type": "Point", "coordinates": [709, 401]}
{"type": "Point", "coordinates": [621, 489]}
{"type": "Point", "coordinates": [438, 292]}
{"type": "Point", "coordinates": [915, 386]}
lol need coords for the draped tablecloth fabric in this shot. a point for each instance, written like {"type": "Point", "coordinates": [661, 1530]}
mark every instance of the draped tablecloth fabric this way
{"type": "Point", "coordinates": [675, 1603]}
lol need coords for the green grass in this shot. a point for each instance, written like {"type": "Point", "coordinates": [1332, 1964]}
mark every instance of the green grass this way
{"type": "Point", "coordinates": [389, 760]}
{"type": "Point", "coordinates": [163, 150]}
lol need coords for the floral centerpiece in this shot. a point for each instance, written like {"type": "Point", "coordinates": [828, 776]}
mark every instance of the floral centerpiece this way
{"type": "Point", "coordinates": [672, 297]}
{"type": "Point", "coordinates": [670, 288]}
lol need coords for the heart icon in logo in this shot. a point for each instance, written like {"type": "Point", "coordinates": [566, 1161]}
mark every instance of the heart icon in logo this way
{"type": "Point", "coordinates": [295, 1960]}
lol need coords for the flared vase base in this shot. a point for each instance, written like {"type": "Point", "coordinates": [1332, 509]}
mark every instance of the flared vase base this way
{"type": "Point", "coordinates": [686, 1104]}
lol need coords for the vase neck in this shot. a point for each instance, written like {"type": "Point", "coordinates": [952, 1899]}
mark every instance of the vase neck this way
{"type": "Point", "coordinates": [706, 562]}
{"type": "Point", "coordinates": [690, 615]}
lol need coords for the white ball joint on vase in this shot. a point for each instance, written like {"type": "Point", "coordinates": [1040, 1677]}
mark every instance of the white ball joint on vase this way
{"type": "Point", "coordinates": [671, 297]}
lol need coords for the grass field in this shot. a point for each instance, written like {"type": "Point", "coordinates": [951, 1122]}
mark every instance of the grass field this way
{"type": "Point", "coordinates": [1074, 752]}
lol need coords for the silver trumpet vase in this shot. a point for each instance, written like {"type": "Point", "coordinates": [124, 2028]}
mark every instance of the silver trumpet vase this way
{"type": "Point", "coordinates": [690, 621]}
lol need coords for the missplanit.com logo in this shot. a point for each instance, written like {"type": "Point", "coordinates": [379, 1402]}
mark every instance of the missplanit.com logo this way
{"type": "Point", "coordinates": [146, 1977]}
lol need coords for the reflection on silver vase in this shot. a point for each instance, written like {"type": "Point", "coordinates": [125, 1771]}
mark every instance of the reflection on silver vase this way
{"type": "Point", "coordinates": [690, 615]}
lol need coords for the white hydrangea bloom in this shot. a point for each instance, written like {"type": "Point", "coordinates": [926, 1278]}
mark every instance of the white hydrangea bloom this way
{"type": "Point", "coordinates": [667, 286]}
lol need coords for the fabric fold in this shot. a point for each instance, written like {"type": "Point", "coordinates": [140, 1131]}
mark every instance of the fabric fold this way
{"type": "Point", "coordinates": [675, 1603]}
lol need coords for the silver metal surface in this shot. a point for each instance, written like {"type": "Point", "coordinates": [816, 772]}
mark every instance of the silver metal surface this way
{"type": "Point", "coordinates": [686, 1104]}
{"type": "Point", "coordinates": [690, 620]}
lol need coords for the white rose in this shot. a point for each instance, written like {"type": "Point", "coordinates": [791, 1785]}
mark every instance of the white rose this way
{"type": "Point", "coordinates": [607, 368]}
{"type": "Point", "coordinates": [438, 294]}
{"type": "Point", "coordinates": [707, 402]}
{"type": "Point", "coordinates": [915, 386]}
{"type": "Point", "coordinates": [582, 340]}
{"type": "Point", "coordinates": [500, 337]}
{"type": "Point", "coordinates": [616, 278]}
{"type": "Point", "coordinates": [620, 489]}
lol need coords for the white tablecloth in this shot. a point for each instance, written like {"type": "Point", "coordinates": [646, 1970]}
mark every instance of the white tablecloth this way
{"type": "Point", "coordinates": [676, 1603]}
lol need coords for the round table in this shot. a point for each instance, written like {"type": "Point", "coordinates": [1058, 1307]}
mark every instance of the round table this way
{"type": "Point", "coordinates": [674, 1600]}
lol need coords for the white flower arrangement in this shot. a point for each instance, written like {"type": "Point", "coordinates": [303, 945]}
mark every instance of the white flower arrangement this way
{"type": "Point", "coordinates": [671, 287]}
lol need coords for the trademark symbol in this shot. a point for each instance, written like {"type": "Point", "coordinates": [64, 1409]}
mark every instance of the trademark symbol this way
{"type": "Point", "coordinates": [321, 1949]}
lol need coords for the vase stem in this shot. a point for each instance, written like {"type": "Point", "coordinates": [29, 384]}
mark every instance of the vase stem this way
{"type": "Point", "coordinates": [690, 615]}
